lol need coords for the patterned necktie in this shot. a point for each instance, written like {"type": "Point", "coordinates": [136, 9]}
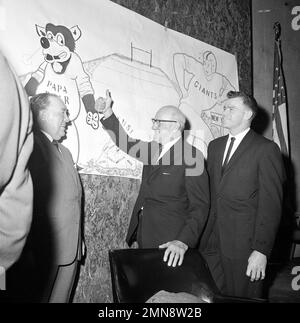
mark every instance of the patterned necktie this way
{"type": "Point", "coordinates": [228, 154]}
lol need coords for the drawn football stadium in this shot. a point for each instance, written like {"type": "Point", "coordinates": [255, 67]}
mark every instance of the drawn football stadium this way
{"type": "Point", "coordinates": [139, 89]}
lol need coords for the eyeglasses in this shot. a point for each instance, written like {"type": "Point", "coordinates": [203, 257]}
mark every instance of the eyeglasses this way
{"type": "Point", "coordinates": [158, 121]}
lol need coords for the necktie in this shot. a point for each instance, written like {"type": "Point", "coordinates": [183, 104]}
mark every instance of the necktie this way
{"type": "Point", "coordinates": [228, 154]}
{"type": "Point", "coordinates": [157, 148]}
{"type": "Point", "coordinates": [55, 143]}
{"type": "Point", "coordinates": [160, 148]}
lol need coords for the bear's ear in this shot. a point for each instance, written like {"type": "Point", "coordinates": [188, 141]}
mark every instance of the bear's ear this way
{"type": "Point", "coordinates": [40, 30]}
{"type": "Point", "coordinates": [76, 32]}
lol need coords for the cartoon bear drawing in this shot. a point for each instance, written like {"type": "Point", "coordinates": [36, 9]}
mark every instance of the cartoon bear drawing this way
{"type": "Point", "coordinates": [62, 72]}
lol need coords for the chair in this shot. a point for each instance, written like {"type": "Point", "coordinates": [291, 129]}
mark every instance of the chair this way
{"type": "Point", "coordinates": [138, 274]}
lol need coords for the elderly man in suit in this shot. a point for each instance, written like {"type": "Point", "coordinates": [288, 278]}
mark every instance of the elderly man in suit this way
{"type": "Point", "coordinates": [16, 143]}
{"type": "Point", "coordinates": [246, 176]}
{"type": "Point", "coordinates": [172, 206]}
{"type": "Point", "coordinates": [56, 233]}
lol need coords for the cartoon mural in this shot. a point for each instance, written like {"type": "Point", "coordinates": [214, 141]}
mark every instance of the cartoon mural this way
{"type": "Point", "coordinates": [198, 90]}
{"type": "Point", "coordinates": [81, 55]}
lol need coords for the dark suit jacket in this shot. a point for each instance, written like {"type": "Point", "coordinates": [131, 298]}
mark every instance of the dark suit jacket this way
{"type": "Point", "coordinates": [56, 231]}
{"type": "Point", "coordinates": [246, 201]}
{"type": "Point", "coordinates": [174, 196]}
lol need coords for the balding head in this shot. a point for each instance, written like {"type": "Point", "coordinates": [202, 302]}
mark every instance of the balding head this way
{"type": "Point", "coordinates": [168, 124]}
{"type": "Point", "coordinates": [170, 112]}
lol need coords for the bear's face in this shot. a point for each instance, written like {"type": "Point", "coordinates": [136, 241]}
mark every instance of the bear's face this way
{"type": "Point", "coordinates": [58, 43]}
{"type": "Point", "coordinates": [54, 48]}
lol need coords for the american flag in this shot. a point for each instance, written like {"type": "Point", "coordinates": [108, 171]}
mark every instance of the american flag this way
{"type": "Point", "coordinates": [280, 122]}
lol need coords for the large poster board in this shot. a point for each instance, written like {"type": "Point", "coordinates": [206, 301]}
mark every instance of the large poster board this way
{"type": "Point", "coordinates": [78, 49]}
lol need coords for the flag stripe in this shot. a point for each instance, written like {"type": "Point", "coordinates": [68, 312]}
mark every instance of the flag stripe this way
{"type": "Point", "coordinates": [280, 125]}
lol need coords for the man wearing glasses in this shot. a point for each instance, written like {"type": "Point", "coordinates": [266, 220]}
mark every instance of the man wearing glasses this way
{"type": "Point", "coordinates": [173, 201]}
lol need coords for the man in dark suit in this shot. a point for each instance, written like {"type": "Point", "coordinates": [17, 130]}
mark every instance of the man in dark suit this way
{"type": "Point", "coordinates": [246, 176]}
{"type": "Point", "coordinates": [173, 201]}
{"type": "Point", "coordinates": [56, 233]}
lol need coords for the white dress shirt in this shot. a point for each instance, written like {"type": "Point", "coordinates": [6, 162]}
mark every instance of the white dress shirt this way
{"type": "Point", "coordinates": [167, 146]}
{"type": "Point", "coordinates": [238, 138]}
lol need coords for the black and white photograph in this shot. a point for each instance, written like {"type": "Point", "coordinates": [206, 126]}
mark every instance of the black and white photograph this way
{"type": "Point", "coordinates": [150, 156]}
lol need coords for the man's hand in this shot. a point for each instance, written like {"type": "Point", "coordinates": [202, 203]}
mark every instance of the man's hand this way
{"type": "Point", "coordinates": [174, 253]}
{"type": "Point", "coordinates": [257, 263]}
{"type": "Point", "coordinates": [104, 106]}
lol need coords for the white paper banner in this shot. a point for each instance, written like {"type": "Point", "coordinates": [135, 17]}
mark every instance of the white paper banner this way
{"type": "Point", "coordinates": [78, 49]}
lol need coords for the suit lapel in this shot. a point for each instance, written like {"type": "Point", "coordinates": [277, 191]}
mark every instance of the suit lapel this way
{"type": "Point", "coordinates": [62, 157]}
{"type": "Point", "coordinates": [68, 162]}
{"type": "Point", "coordinates": [243, 146]}
{"type": "Point", "coordinates": [156, 154]}
{"type": "Point", "coordinates": [46, 146]}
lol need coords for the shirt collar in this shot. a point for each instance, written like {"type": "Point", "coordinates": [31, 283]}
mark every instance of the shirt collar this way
{"type": "Point", "coordinates": [47, 135]}
{"type": "Point", "coordinates": [167, 146]}
{"type": "Point", "coordinates": [240, 135]}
